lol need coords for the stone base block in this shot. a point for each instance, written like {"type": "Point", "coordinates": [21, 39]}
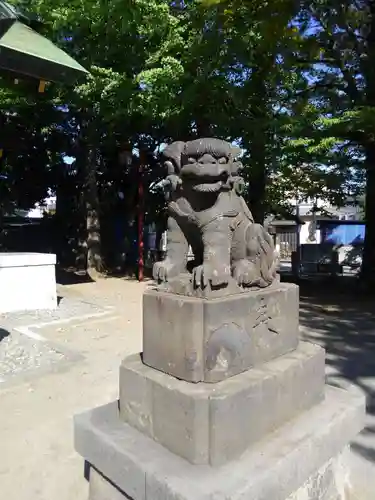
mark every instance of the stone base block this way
{"type": "Point", "coordinates": [214, 423]}
{"type": "Point", "coordinates": [331, 482]}
{"type": "Point", "coordinates": [27, 281]}
{"type": "Point", "coordinates": [202, 340]}
{"type": "Point", "coordinates": [102, 489]}
{"type": "Point", "coordinates": [293, 457]}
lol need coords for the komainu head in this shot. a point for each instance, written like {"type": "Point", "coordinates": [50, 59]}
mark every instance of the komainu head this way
{"type": "Point", "coordinates": [208, 164]}
{"type": "Point", "coordinates": [202, 165]}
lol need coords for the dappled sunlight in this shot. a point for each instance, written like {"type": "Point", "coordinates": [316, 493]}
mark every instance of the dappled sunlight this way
{"type": "Point", "coordinates": [342, 321]}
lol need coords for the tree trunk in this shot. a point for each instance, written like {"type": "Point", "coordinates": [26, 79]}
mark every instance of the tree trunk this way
{"type": "Point", "coordinates": [94, 255]}
{"type": "Point", "coordinates": [61, 230]}
{"type": "Point", "coordinates": [256, 197]}
{"type": "Point", "coordinates": [368, 259]}
{"type": "Point", "coordinates": [257, 189]}
{"type": "Point", "coordinates": [368, 262]}
{"type": "Point", "coordinates": [203, 125]}
{"type": "Point", "coordinates": [257, 133]}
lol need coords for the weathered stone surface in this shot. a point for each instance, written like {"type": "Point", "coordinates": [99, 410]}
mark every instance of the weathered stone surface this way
{"type": "Point", "coordinates": [329, 483]}
{"type": "Point", "coordinates": [102, 489]}
{"type": "Point", "coordinates": [273, 470]}
{"type": "Point", "coordinates": [210, 340]}
{"type": "Point", "coordinates": [171, 411]}
{"type": "Point", "coordinates": [192, 420]}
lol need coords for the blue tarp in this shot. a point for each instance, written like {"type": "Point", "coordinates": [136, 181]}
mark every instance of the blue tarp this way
{"type": "Point", "coordinates": [344, 234]}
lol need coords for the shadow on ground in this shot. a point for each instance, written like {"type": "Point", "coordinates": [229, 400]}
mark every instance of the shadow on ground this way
{"type": "Point", "coordinates": [343, 322]}
{"type": "Point", "coordinates": [3, 334]}
{"type": "Point", "coordinates": [71, 276]}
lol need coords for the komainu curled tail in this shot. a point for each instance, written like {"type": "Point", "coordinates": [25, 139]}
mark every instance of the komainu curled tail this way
{"type": "Point", "coordinates": [261, 253]}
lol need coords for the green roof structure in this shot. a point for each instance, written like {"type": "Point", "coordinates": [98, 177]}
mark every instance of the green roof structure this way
{"type": "Point", "coordinates": [23, 51]}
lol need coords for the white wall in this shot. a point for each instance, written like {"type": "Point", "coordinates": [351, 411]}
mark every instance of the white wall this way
{"type": "Point", "coordinates": [306, 208]}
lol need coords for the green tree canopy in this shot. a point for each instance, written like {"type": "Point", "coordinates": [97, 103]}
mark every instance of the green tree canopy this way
{"type": "Point", "coordinates": [291, 83]}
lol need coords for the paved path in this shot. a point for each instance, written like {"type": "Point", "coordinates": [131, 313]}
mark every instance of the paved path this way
{"type": "Point", "coordinates": [101, 326]}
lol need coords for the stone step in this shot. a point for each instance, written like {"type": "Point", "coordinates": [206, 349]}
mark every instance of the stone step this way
{"type": "Point", "coordinates": [300, 456]}
{"type": "Point", "coordinates": [215, 423]}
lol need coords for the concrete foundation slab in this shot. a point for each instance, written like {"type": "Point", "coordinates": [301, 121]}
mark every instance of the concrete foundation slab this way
{"type": "Point", "coordinates": [275, 469]}
{"type": "Point", "coordinates": [210, 340]}
{"type": "Point", "coordinates": [27, 282]}
{"type": "Point", "coordinates": [192, 420]}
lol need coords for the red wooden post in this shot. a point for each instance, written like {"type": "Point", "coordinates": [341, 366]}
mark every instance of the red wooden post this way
{"type": "Point", "coordinates": [140, 219]}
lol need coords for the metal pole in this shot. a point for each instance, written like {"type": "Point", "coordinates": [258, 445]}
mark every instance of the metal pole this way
{"type": "Point", "coordinates": [140, 220]}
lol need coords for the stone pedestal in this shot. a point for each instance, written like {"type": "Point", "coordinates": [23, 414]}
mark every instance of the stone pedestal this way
{"type": "Point", "coordinates": [202, 340]}
{"type": "Point", "coordinates": [258, 423]}
{"type": "Point", "coordinates": [297, 461]}
{"type": "Point", "coordinates": [214, 423]}
{"type": "Point", "coordinates": [27, 281]}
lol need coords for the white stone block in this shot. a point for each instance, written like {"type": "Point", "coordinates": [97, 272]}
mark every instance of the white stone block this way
{"type": "Point", "coordinates": [27, 281]}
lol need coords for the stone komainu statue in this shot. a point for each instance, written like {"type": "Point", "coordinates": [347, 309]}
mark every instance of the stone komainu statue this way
{"type": "Point", "coordinates": [207, 212]}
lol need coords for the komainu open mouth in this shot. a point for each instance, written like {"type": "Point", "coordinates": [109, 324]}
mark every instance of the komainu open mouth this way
{"type": "Point", "coordinates": [208, 188]}
{"type": "Point", "coordinates": [204, 178]}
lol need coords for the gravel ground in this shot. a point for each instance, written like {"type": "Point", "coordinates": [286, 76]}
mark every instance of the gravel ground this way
{"type": "Point", "coordinates": [68, 308]}
{"type": "Point", "coordinates": [19, 354]}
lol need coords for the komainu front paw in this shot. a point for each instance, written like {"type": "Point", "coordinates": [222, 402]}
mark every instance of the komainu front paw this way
{"type": "Point", "coordinates": [210, 273]}
{"type": "Point", "coordinates": [166, 269]}
{"type": "Point", "coordinates": [245, 273]}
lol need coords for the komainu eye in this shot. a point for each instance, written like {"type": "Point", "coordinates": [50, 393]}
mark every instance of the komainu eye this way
{"type": "Point", "coordinates": [222, 160]}
{"type": "Point", "coordinates": [192, 160]}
